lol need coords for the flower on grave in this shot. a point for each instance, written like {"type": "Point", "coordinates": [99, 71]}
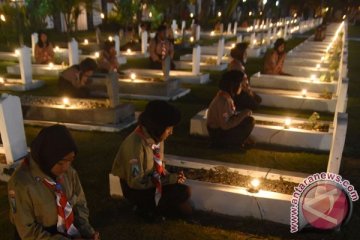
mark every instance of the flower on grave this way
{"type": "Point", "coordinates": [313, 119]}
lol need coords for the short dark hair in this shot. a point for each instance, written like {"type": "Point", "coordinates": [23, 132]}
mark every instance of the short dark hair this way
{"type": "Point", "coordinates": [238, 51]}
{"type": "Point", "coordinates": [230, 81]}
{"type": "Point", "coordinates": [157, 116]}
{"type": "Point", "coordinates": [88, 64]}
{"type": "Point", "coordinates": [278, 43]}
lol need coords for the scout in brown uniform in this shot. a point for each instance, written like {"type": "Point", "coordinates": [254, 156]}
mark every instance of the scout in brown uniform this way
{"type": "Point", "coordinates": [160, 47]}
{"type": "Point", "coordinates": [45, 194]}
{"type": "Point", "coordinates": [247, 99]}
{"type": "Point", "coordinates": [74, 81]}
{"type": "Point", "coordinates": [225, 125]}
{"type": "Point", "coordinates": [140, 165]}
{"type": "Point", "coordinates": [274, 59]}
{"type": "Point", "coordinates": [44, 52]}
{"type": "Point", "coordinates": [108, 61]}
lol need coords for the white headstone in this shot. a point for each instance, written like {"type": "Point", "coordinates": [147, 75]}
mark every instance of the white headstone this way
{"type": "Point", "coordinates": [174, 25]}
{"type": "Point", "coordinates": [221, 28]}
{"type": "Point", "coordinates": [117, 44]}
{"type": "Point", "coordinates": [252, 40]}
{"type": "Point", "coordinates": [220, 50]}
{"type": "Point", "coordinates": [144, 42]}
{"type": "Point", "coordinates": [239, 38]}
{"type": "Point", "coordinates": [25, 65]}
{"type": "Point", "coordinates": [338, 142]}
{"type": "Point", "coordinates": [229, 28]}
{"type": "Point", "coordinates": [196, 60]}
{"type": "Point", "coordinates": [235, 28]}
{"type": "Point", "coordinates": [34, 40]}
{"type": "Point", "coordinates": [197, 35]}
{"type": "Point", "coordinates": [183, 25]}
{"type": "Point", "coordinates": [73, 52]}
{"type": "Point", "coordinates": [166, 67]}
{"type": "Point", "coordinates": [12, 128]}
{"type": "Point", "coordinates": [98, 35]}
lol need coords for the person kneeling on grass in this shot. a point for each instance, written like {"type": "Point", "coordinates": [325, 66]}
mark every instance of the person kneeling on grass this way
{"type": "Point", "coordinates": [274, 59]}
{"type": "Point", "coordinates": [45, 194]}
{"type": "Point", "coordinates": [226, 126]}
{"type": "Point", "coordinates": [140, 165]}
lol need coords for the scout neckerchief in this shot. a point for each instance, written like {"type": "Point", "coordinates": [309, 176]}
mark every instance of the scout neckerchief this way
{"type": "Point", "coordinates": [229, 98]}
{"type": "Point", "coordinates": [158, 166]}
{"type": "Point", "coordinates": [65, 223]}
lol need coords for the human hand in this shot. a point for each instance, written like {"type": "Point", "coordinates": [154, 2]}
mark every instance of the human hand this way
{"type": "Point", "coordinates": [181, 177]}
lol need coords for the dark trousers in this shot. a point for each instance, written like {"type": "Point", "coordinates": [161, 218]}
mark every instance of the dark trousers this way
{"type": "Point", "coordinates": [247, 101]}
{"type": "Point", "coordinates": [234, 136]}
{"type": "Point", "coordinates": [67, 89]}
{"type": "Point", "coordinates": [173, 195]}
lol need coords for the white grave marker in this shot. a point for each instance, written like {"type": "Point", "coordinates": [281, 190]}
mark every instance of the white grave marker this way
{"type": "Point", "coordinates": [235, 28]}
{"type": "Point", "coordinates": [34, 40]}
{"type": "Point", "coordinates": [229, 28]}
{"type": "Point", "coordinates": [12, 128]}
{"type": "Point", "coordinates": [73, 52]}
{"type": "Point", "coordinates": [25, 65]}
{"type": "Point", "coordinates": [144, 42]}
{"type": "Point", "coordinates": [196, 60]}
{"type": "Point", "coordinates": [220, 50]}
{"type": "Point", "coordinates": [197, 34]}
{"type": "Point", "coordinates": [117, 44]}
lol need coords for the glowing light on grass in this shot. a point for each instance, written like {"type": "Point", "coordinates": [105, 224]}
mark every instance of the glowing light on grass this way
{"type": "Point", "coordinates": [304, 92]}
{"type": "Point", "coordinates": [191, 39]}
{"type": "Point", "coordinates": [17, 52]}
{"type": "Point", "coordinates": [212, 33]}
{"type": "Point", "coordinates": [191, 15]}
{"type": "Point", "coordinates": [128, 50]}
{"type": "Point", "coordinates": [110, 38]}
{"type": "Point", "coordinates": [150, 15]}
{"type": "Point", "coordinates": [97, 54]}
{"type": "Point", "coordinates": [219, 14]}
{"type": "Point", "coordinates": [2, 18]}
{"type": "Point", "coordinates": [287, 123]}
{"type": "Point", "coordinates": [132, 76]}
{"type": "Point", "coordinates": [57, 49]}
{"type": "Point", "coordinates": [66, 101]}
{"type": "Point", "coordinates": [51, 65]}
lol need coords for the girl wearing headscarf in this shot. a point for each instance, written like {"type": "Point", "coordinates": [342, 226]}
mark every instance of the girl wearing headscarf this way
{"type": "Point", "coordinates": [45, 193]}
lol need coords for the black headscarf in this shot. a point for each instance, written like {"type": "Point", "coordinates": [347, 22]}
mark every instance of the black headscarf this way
{"type": "Point", "coordinates": [50, 146]}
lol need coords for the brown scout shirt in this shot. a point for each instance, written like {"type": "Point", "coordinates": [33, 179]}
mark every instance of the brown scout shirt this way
{"type": "Point", "coordinates": [134, 162]}
{"type": "Point", "coordinates": [273, 63]}
{"type": "Point", "coordinates": [33, 205]}
{"type": "Point", "coordinates": [44, 55]}
{"type": "Point", "coordinates": [155, 49]}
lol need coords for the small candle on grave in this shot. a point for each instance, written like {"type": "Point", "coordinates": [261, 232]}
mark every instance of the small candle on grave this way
{"type": "Point", "coordinates": [219, 14]}
{"type": "Point", "coordinates": [56, 48]}
{"type": "Point", "coordinates": [110, 38]}
{"type": "Point", "coordinates": [303, 92]}
{"type": "Point", "coordinates": [51, 65]}
{"type": "Point", "coordinates": [233, 45]}
{"type": "Point", "coordinates": [86, 42]}
{"type": "Point", "coordinates": [191, 39]}
{"type": "Point", "coordinates": [150, 14]}
{"type": "Point", "coordinates": [132, 76]}
{"type": "Point", "coordinates": [2, 17]}
{"type": "Point", "coordinates": [254, 185]}
{"type": "Point", "coordinates": [287, 123]}
{"type": "Point", "coordinates": [128, 50]}
{"type": "Point", "coordinates": [102, 15]}
{"type": "Point", "coordinates": [2, 81]}
{"type": "Point", "coordinates": [313, 77]}
{"type": "Point", "coordinates": [212, 33]}
{"type": "Point", "coordinates": [191, 15]}
{"type": "Point", "coordinates": [17, 52]}
{"type": "Point", "coordinates": [66, 102]}
{"type": "Point", "coordinates": [97, 54]}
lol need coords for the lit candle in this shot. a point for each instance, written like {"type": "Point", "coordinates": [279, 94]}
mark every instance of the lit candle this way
{"type": "Point", "coordinates": [313, 77]}
{"type": "Point", "coordinates": [132, 76]}
{"type": "Point", "coordinates": [304, 92]}
{"type": "Point", "coordinates": [128, 50]}
{"type": "Point", "coordinates": [102, 15]}
{"type": "Point", "coordinates": [17, 52]}
{"type": "Point", "coordinates": [110, 38]}
{"type": "Point", "coordinates": [86, 42]}
{"type": "Point", "coordinates": [97, 54]}
{"type": "Point", "coordinates": [287, 123]}
{"type": "Point", "coordinates": [2, 80]}
{"type": "Point", "coordinates": [212, 33]}
{"type": "Point", "coordinates": [2, 17]}
{"type": "Point", "coordinates": [219, 14]}
{"type": "Point", "coordinates": [51, 65]}
{"type": "Point", "coordinates": [66, 102]}
{"type": "Point", "coordinates": [191, 39]}
{"type": "Point", "coordinates": [57, 48]}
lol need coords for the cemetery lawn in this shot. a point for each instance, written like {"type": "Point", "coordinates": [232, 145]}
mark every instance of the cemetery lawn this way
{"type": "Point", "coordinates": [115, 219]}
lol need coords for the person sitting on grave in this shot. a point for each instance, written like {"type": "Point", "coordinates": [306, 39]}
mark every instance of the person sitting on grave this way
{"type": "Point", "coordinates": [108, 61]}
{"type": "Point", "coordinates": [160, 48]}
{"type": "Point", "coordinates": [45, 194]}
{"type": "Point", "coordinates": [274, 59]}
{"type": "Point", "coordinates": [139, 164]}
{"type": "Point", "coordinates": [74, 81]}
{"type": "Point", "coordinates": [247, 99]}
{"type": "Point", "coordinates": [217, 27]}
{"type": "Point", "coordinates": [320, 33]}
{"type": "Point", "coordinates": [44, 52]}
{"type": "Point", "coordinates": [226, 126]}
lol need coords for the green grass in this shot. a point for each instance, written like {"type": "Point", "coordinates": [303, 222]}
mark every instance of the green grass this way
{"type": "Point", "coordinates": [115, 219]}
